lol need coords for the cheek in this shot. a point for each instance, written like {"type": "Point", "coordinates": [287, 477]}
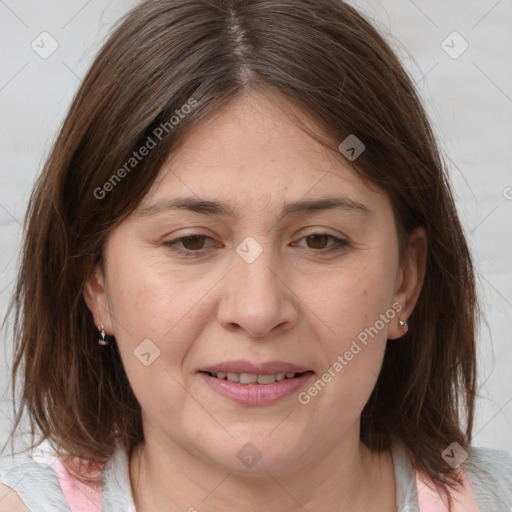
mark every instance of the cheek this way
{"type": "Point", "coordinates": [148, 303]}
{"type": "Point", "coordinates": [150, 295]}
{"type": "Point", "coordinates": [156, 315]}
{"type": "Point", "coordinates": [356, 305]}
{"type": "Point", "coordinates": [354, 299]}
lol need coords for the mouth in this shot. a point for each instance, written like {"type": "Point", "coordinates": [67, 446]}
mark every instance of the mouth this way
{"type": "Point", "coordinates": [252, 384]}
{"type": "Point", "coordinates": [253, 378]}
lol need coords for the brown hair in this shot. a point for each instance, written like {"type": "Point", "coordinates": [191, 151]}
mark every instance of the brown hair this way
{"type": "Point", "coordinates": [329, 61]}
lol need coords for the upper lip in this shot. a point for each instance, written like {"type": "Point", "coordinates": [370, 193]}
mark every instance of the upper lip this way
{"type": "Point", "coordinates": [268, 368]}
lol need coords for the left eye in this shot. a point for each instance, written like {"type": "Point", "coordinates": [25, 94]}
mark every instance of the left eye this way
{"type": "Point", "coordinates": [319, 241]}
{"type": "Point", "coordinates": [195, 243]}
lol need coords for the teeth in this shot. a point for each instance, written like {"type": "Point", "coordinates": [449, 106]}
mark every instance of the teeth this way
{"type": "Point", "coordinates": [247, 378]}
{"type": "Point", "coordinates": [266, 379]}
{"type": "Point", "coordinates": [251, 378]}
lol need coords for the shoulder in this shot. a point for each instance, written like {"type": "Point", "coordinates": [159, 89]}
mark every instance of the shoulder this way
{"type": "Point", "coordinates": [490, 464]}
{"type": "Point", "coordinates": [490, 474]}
{"type": "Point", "coordinates": [34, 486]}
{"type": "Point", "coordinates": [10, 501]}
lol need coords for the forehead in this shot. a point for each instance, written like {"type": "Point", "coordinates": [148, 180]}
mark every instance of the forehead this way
{"type": "Point", "coordinates": [251, 154]}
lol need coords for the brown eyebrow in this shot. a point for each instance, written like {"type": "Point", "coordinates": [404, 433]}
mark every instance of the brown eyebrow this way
{"type": "Point", "coordinates": [221, 208]}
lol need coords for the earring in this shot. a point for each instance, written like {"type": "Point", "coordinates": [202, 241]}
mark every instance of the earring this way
{"type": "Point", "coordinates": [101, 337]}
{"type": "Point", "coordinates": [403, 325]}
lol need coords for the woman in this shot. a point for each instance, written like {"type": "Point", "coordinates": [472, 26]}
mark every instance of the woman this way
{"type": "Point", "coordinates": [244, 282]}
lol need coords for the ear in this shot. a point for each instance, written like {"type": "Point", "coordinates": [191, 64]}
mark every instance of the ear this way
{"type": "Point", "coordinates": [96, 298]}
{"type": "Point", "coordinates": [409, 280]}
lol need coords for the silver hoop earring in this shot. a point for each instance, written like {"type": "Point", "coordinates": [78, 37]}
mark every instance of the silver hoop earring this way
{"type": "Point", "coordinates": [403, 325]}
{"type": "Point", "coordinates": [101, 338]}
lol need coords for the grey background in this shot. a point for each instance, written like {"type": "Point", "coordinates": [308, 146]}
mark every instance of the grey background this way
{"type": "Point", "coordinates": [469, 100]}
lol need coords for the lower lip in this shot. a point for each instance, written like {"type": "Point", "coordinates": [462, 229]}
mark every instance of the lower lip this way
{"type": "Point", "coordinates": [255, 394]}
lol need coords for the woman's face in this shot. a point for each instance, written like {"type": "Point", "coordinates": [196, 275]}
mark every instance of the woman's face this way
{"type": "Point", "coordinates": [271, 281]}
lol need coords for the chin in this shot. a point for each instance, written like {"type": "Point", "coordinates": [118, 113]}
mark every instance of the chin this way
{"type": "Point", "coordinates": [253, 458]}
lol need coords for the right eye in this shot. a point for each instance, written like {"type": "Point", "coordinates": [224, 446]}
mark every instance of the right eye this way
{"type": "Point", "coordinates": [187, 244]}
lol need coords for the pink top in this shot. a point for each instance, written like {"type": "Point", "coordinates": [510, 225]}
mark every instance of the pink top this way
{"type": "Point", "coordinates": [429, 500]}
{"type": "Point", "coordinates": [80, 497]}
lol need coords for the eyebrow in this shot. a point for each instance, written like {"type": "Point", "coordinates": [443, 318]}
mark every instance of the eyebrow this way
{"type": "Point", "coordinates": [222, 208]}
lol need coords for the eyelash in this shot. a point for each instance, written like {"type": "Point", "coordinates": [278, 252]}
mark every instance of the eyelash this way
{"type": "Point", "coordinates": [173, 244]}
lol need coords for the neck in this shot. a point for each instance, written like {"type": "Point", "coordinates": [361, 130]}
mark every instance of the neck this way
{"type": "Point", "coordinates": [349, 478]}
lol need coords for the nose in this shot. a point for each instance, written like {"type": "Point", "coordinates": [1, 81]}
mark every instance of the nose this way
{"type": "Point", "coordinates": [258, 298]}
